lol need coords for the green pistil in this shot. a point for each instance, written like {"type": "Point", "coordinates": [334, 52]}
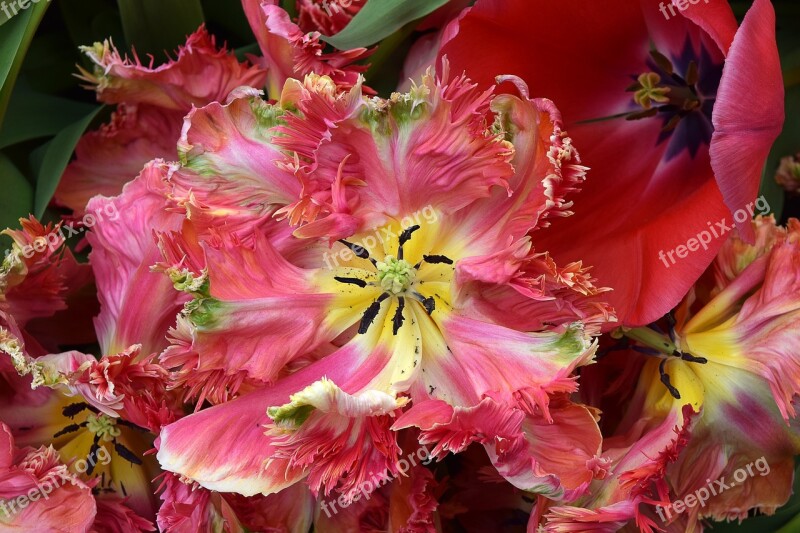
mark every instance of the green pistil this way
{"type": "Point", "coordinates": [395, 275]}
{"type": "Point", "coordinates": [103, 426]}
{"type": "Point", "coordinates": [651, 339]}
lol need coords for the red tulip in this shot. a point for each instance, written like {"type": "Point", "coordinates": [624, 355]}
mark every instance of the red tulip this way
{"type": "Point", "coordinates": [675, 110]}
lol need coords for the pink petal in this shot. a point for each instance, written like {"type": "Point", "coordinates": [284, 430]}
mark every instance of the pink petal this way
{"type": "Point", "coordinates": [138, 306]}
{"type": "Point", "coordinates": [201, 73]}
{"type": "Point", "coordinates": [236, 179]}
{"type": "Point", "coordinates": [113, 155]}
{"type": "Point", "coordinates": [753, 68]}
{"type": "Point", "coordinates": [236, 333]}
{"type": "Point", "coordinates": [522, 368]}
{"type": "Point", "coordinates": [289, 53]}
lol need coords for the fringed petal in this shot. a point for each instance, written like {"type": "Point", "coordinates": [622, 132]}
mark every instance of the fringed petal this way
{"type": "Point", "coordinates": [200, 73]}
{"type": "Point", "coordinates": [341, 440]}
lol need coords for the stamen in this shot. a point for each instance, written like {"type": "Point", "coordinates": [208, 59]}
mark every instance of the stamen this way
{"type": "Point", "coordinates": [642, 114]}
{"type": "Point", "coordinates": [662, 61]}
{"type": "Point", "coordinates": [692, 359]}
{"type": "Point", "coordinates": [72, 428]}
{"type": "Point", "coordinates": [406, 235]}
{"type": "Point", "coordinates": [73, 409]}
{"type": "Point", "coordinates": [372, 311]}
{"type": "Point", "coordinates": [130, 425]}
{"type": "Point", "coordinates": [93, 453]}
{"type": "Point", "coordinates": [672, 123]}
{"type": "Point", "coordinates": [437, 259]}
{"type": "Point", "coordinates": [397, 321]}
{"type": "Point", "coordinates": [428, 303]}
{"type": "Point", "coordinates": [671, 322]}
{"type": "Point", "coordinates": [404, 238]}
{"type": "Point", "coordinates": [126, 454]}
{"type": "Point", "coordinates": [665, 380]}
{"type": "Point", "coordinates": [692, 74]}
{"type": "Point", "coordinates": [352, 281]}
{"type": "Point", "coordinates": [359, 251]}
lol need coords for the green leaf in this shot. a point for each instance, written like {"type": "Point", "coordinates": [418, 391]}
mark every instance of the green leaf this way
{"type": "Point", "coordinates": [227, 20]}
{"type": "Point", "coordinates": [89, 21]}
{"type": "Point", "coordinates": [32, 115]}
{"type": "Point", "coordinates": [378, 19]}
{"type": "Point", "coordinates": [16, 201]}
{"type": "Point", "coordinates": [156, 26]}
{"type": "Point", "coordinates": [290, 6]}
{"type": "Point", "coordinates": [15, 38]}
{"type": "Point", "coordinates": [55, 156]}
{"type": "Point", "coordinates": [791, 527]}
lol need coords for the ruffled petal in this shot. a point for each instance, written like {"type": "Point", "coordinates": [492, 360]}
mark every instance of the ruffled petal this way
{"type": "Point", "coordinates": [326, 18]}
{"type": "Point", "coordinates": [35, 488]}
{"type": "Point", "coordinates": [406, 504]}
{"type": "Point", "coordinates": [290, 53]}
{"type": "Point", "coordinates": [138, 306]}
{"type": "Point", "coordinates": [339, 439]}
{"type": "Point", "coordinates": [520, 446]}
{"type": "Point", "coordinates": [235, 333]}
{"type": "Point", "coordinates": [432, 138]}
{"type": "Point", "coordinates": [547, 170]}
{"type": "Point", "coordinates": [526, 290]}
{"type": "Point", "coordinates": [147, 123]}
{"type": "Point", "coordinates": [201, 73]}
{"type": "Point", "coordinates": [521, 368]}
{"type": "Point", "coordinates": [38, 273]}
{"type": "Point", "coordinates": [187, 508]}
{"type": "Point", "coordinates": [113, 516]}
{"type": "Point", "coordinates": [107, 158]}
{"type": "Point", "coordinates": [235, 178]}
{"type": "Point", "coordinates": [236, 462]}
{"type": "Point", "coordinates": [736, 254]}
{"type": "Point", "coordinates": [751, 324]}
{"type": "Point", "coordinates": [290, 510]}
{"type": "Point", "coordinates": [607, 519]}
{"type": "Point", "coordinates": [224, 448]}
{"type": "Point", "coordinates": [558, 458]}
{"type": "Point", "coordinates": [752, 468]}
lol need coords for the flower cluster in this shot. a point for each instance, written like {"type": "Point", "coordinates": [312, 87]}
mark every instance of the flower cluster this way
{"type": "Point", "coordinates": [518, 355]}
